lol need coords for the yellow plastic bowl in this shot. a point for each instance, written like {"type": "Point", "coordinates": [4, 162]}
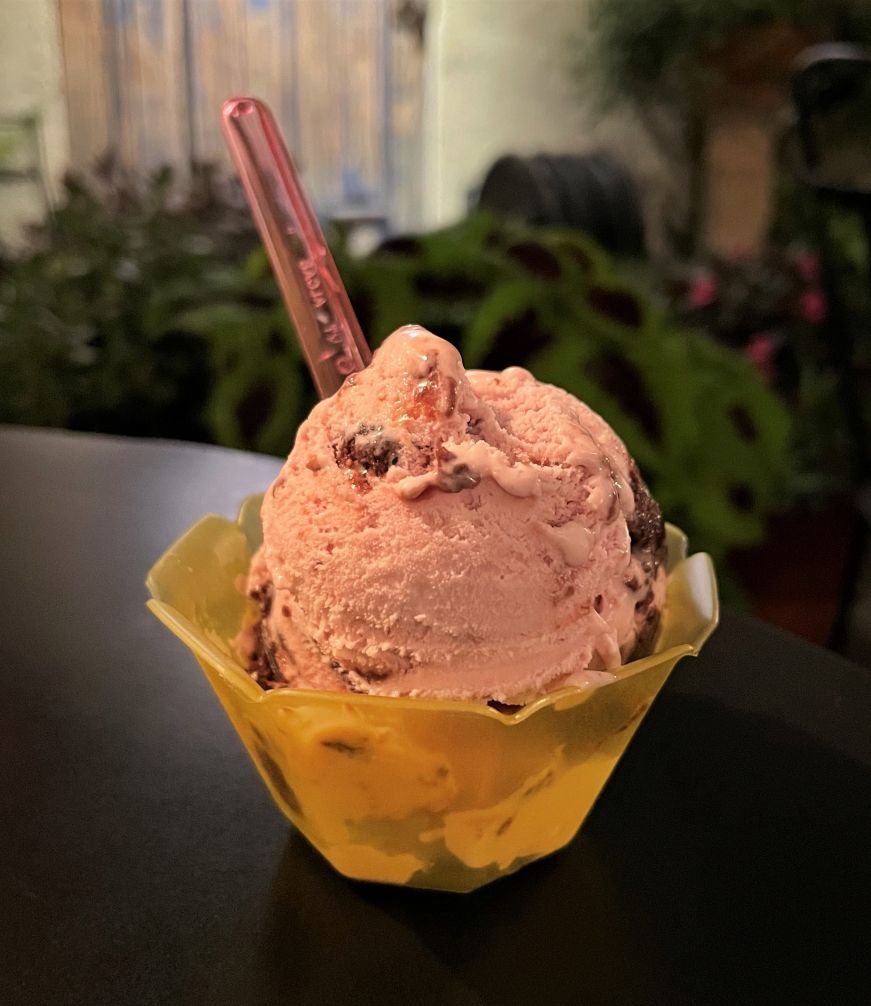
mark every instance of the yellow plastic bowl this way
{"type": "Point", "coordinates": [435, 794]}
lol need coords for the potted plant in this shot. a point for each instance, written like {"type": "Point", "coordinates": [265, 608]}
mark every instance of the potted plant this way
{"type": "Point", "coordinates": [708, 79]}
{"type": "Point", "coordinates": [772, 309]}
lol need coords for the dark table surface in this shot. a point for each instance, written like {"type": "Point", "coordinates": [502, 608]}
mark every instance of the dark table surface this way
{"type": "Point", "coordinates": [142, 860]}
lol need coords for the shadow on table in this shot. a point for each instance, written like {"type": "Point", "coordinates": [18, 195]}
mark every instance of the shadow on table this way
{"type": "Point", "coordinates": [521, 940]}
{"type": "Point", "coordinates": [718, 866]}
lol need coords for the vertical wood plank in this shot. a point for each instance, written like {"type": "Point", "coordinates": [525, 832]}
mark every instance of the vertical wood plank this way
{"type": "Point", "coordinates": [361, 103]}
{"type": "Point", "coordinates": [263, 52]}
{"type": "Point", "coordinates": [121, 60]}
{"type": "Point", "coordinates": [147, 77]}
{"type": "Point", "coordinates": [218, 70]}
{"type": "Point", "coordinates": [319, 71]}
{"type": "Point", "coordinates": [405, 122]}
{"type": "Point", "coordinates": [85, 82]}
{"type": "Point", "coordinates": [289, 104]}
{"type": "Point", "coordinates": [157, 98]}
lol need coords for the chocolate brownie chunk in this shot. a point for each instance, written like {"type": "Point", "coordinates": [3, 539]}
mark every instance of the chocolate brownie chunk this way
{"type": "Point", "coordinates": [263, 596]}
{"type": "Point", "coordinates": [646, 526]}
{"type": "Point", "coordinates": [458, 478]}
{"type": "Point", "coordinates": [369, 450]}
{"type": "Point", "coordinates": [646, 635]}
{"type": "Point", "coordinates": [263, 662]}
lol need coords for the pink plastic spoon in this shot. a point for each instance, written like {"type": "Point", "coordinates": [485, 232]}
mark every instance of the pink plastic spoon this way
{"type": "Point", "coordinates": [304, 269]}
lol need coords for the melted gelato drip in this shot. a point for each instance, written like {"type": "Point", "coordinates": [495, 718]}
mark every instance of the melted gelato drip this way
{"type": "Point", "coordinates": [465, 535]}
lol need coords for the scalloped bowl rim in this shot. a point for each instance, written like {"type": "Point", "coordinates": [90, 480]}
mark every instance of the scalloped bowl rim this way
{"type": "Point", "coordinates": [232, 671]}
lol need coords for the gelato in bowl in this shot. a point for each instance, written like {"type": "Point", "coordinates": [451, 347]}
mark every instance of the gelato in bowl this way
{"type": "Point", "coordinates": [426, 792]}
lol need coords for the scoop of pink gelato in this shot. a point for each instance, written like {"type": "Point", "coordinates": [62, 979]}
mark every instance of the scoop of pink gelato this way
{"type": "Point", "coordinates": [466, 535]}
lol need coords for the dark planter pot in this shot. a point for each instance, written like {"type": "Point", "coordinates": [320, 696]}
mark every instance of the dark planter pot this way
{"type": "Point", "coordinates": [795, 579]}
{"type": "Point", "coordinates": [590, 192]}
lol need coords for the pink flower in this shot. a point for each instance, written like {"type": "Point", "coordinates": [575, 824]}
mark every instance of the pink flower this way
{"type": "Point", "coordinates": [761, 350]}
{"type": "Point", "coordinates": [702, 291]}
{"type": "Point", "coordinates": [808, 265]}
{"type": "Point", "coordinates": [813, 306]}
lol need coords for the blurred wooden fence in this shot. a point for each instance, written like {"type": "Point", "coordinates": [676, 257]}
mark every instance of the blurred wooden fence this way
{"type": "Point", "coordinates": [146, 78]}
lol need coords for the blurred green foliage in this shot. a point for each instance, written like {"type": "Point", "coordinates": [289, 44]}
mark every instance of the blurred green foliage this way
{"type": "Point", "coordinates": [772, 308]}
{"type": "Point", "coordinates": [802, 219]}
{"type": "Point", "coordinates": [135, 311]}
{"type": "Point", "coordinates": [141, 312]}
{"type": "Point", "coordinates": [646, 49]}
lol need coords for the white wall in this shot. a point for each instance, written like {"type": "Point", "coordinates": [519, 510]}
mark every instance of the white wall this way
{"type": "Point", "coordinates": [31, 80]}
{"type": "Point", "coordinates": [500, 79]}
